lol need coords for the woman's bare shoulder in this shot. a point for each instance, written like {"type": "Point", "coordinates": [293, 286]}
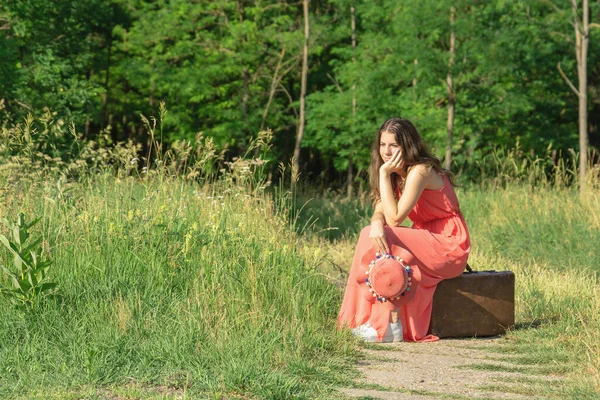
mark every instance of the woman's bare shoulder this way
{"type": "Point", "coordinates": [425, 172]}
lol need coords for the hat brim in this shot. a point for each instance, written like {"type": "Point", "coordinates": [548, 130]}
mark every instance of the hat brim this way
{"type": "Point", "coordinates": [389, 279]}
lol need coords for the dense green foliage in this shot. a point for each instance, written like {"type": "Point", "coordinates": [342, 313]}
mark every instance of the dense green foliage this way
{"type": "Point", "coordinates": [231, 68]}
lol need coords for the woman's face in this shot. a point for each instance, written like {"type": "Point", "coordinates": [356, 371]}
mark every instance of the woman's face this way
{"type": "Point", "coordinates": [388, 146]}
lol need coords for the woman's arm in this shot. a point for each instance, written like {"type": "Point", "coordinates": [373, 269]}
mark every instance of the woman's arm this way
{"type": "Point", "coordinates": [378, 213]}
{"type": "Point", "coordinates": [377, 233]}
{"type": "Point", "coordinates": [416, 181]}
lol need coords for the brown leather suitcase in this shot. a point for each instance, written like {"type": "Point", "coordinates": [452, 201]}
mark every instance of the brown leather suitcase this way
{"type": "Point", "coordinates": [478, 303]}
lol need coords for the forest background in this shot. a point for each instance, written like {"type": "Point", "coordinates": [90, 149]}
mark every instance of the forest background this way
{"type": "Point", "coordinates": [228, 69]}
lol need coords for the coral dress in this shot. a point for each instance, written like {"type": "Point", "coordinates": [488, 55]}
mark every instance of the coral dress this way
{"type": "Point", "coordinates": [436, 247]}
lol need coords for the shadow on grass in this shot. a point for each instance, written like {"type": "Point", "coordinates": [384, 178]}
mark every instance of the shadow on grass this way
{"type": "Point", "coordinates": [535, 323]}
{"type": "Point", "coordinates": [330, 216]}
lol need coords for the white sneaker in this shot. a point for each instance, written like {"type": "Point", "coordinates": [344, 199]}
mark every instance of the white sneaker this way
{"type": "Point", "coordinates": [395, 331]}
{"type": "Point", "coordinates": [369, 334]}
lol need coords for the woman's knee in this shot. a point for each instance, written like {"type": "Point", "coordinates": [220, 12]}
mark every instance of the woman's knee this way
{"type": "Point", "coordinates": [388, 230]}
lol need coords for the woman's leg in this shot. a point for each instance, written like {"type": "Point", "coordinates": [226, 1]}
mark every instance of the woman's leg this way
{"type": "Point", "coordinates": [356, 309]}
{"type": "Point", "coordinates": [415, 247]}
{"type": "Point", "coordinates": [412, 245]}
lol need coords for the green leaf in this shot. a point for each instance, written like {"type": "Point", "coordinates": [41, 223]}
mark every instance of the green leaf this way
{"type": "Point", "coordinates": [32, 279]}
{"type": "Point", "coordinates": [5, 241]}
{"type": "Point", "coordinates": [13, 277]}
{"type": "Point", "coordinates": [18, 236]}
{"type": "Point", "coordinates": [18, 263]}
{"type": "Point", "coordinates": [31, 246]}
{"type": "Point", "coordinates": [33, 259]}
{"type": "Point", "coordinates": [47, 286]}
{"type": "Point", "coordinates": [32, 223]}
{"type": "Point", "coordinates": [10, 246]}
{"type": "Point", "coordinates": [16, 283]}
{"type": "Point", "coordinates": [6, 270]}
{"type": "Point", "coordinates": [23, 285]}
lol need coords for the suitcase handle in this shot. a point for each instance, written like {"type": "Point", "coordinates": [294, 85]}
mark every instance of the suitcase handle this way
{"type": "Point", "coordinates": [469, 270]}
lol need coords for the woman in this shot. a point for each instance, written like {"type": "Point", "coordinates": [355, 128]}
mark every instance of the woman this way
{"type": "Point", "coordinates": [406, 181]}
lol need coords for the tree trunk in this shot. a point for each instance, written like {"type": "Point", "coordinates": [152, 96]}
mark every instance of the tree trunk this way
{"type": "Point", "coordinates": [582, 31]}
{"type": "Point", "coordinates": [245, 94]}
{"type": "Point", "coordinates": [301, 123]}
{"type": "Point", "coordinates": [350, 174]}
{"type": "Point", "coordinates": [274, 84]}
{"type": "Point", "coordinates": [350, 178]}
{"type": "Point", "coordinates": [451, 93]}
{"type": "Point", "coordinates": [105, 98]}
{"type": "Point", "coordinates": [582, 35]}
{"type": "Point", "coordinates": [414, 81]}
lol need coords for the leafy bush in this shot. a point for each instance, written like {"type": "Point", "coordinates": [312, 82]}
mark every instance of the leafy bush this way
{"type": "Point", "coordinates": [30, 275]}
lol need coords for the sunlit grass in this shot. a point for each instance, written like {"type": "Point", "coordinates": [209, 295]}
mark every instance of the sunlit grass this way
{"type": "Point", "coordinates": [201, 287]}
{"type": "Point", "coordinates": [176, 285]}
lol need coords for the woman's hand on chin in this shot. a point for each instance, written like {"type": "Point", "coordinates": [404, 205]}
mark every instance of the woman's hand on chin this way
{"type": "Point", "coordinates": [377, 236]}
{"type": "Point", "coordinates": [394, 164]}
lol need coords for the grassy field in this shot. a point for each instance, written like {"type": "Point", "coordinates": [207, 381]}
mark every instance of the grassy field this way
{"type": "Point", "coordinates": [169, 288]}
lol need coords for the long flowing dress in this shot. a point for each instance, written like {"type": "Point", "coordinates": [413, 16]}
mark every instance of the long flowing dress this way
{"type": "Point", "coordinates": [436, 247]}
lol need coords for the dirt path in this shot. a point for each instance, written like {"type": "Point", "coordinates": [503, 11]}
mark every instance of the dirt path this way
{"type": "Point", "coordinates": [450, 368]}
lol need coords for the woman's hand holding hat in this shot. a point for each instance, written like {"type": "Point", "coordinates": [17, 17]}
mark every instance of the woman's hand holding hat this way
{"type": "Point", "coordinates": [386, 280]}
{"type": "Point", "coordinates": [377, 236]}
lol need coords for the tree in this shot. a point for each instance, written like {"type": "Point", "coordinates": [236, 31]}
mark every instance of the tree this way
{"type": "Point", "coordinates": [350, 174]}
{"type": "Point", "coordinates": [451, 94]}
{"type": "Point", "coordinates": [301, 122]}
{"type": "Point", "coordinates": [582, 27]}
{"type": "Point", "coordinates": [216, 64]}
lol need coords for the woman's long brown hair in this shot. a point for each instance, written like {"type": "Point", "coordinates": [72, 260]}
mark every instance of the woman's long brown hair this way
{"type": "Point", "coordinates": [414, 152]}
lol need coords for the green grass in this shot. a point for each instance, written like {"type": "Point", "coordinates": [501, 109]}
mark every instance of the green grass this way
{"type": "Point", "coordinates": [171, 289]}
{"type": "Point", "coordinates": [553, 227]}
{"type": "Point", "coordinates": [175, 285]}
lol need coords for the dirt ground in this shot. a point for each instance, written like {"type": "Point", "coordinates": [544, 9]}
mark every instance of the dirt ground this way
{"type": "Point", "coordinates": [444, 369]}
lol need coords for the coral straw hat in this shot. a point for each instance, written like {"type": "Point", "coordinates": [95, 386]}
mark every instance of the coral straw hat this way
{"type": "Point", "coordinates": [388, 279]}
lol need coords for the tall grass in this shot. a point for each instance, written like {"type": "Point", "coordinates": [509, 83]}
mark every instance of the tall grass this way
{"type": "Point", "coordinates": [175, 283]}
{"type": "Point", "coordinates": [550, 239]}
{"type": "Point", "coordinates": [196, 287]}
{"type": "Point", "coordinates": [168, 278]}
